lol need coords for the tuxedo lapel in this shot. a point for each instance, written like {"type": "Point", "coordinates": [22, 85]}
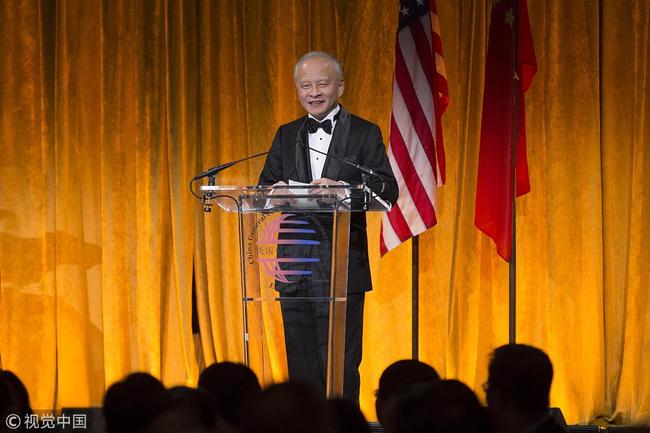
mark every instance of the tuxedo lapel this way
{"type": "Point", "coordinates": [338, 145]}
{"type": "Point", "coordinates": [303, 166]}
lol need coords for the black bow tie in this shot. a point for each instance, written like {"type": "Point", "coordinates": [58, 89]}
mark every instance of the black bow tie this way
{"type": "Point", "coordinates": [313, 125]}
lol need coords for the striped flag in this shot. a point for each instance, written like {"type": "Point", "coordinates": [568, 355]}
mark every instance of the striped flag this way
{"type": "Point", "coordinates": [420, 95]}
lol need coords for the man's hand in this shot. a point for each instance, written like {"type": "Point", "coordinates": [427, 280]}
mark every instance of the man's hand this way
{"type": "Point", "coordinates": [326, 181]}
{"type": "Point", "coordinates": [281, 201]}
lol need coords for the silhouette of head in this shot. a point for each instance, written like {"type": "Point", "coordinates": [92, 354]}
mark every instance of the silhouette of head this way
{"type": "Point", "coordinates": [231, 386]}
{"type": "Point", "coordinates": [346, 417]}
{"type": "Point", "coordinates": [186, 410]}
{"type": "Point", "coordinates": [14, 399]}
{"type": "Point", "coordinates": [130, 404]}
{"type": "Point", "coordinates": [519, 376]}
{"type": "Point", "coordinates": [396, 382]}
{"type": "Point", "coordinates": [444, 406]}
{"type": "Point", "coordinates": [288, 408]}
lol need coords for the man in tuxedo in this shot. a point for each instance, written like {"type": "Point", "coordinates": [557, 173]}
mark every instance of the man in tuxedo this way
{"type": "Point", "coordinates": [331, 129]}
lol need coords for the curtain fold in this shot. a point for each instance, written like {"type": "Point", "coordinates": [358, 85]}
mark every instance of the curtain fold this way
{"type": "Point", "coordinates": [108, 108]}
{"type": "Point", "coordinates": [625, 92]}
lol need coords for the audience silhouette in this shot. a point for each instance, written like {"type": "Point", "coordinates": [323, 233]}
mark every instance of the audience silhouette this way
{"type": "Point", "coordinates": [396, 382]}
{"type": "Point", "coordinates": [346, 417]}
{"type": "Point", "coordinates": [411, 398]}
{"type": "Point", "coordinates": [446, 406]}
{"type": "Point", "coordinates": [186, 410]}
{"type": "Point", "coordinates": [288, 408]}
{"type": "Point", "coordinates": [14, 399]}
{"type": "Point", "coordinates": [232, 387]}
{"type": "Point", "coordinates": [131, 404]}
{"type": "Point", "coordinates": [517, 390]}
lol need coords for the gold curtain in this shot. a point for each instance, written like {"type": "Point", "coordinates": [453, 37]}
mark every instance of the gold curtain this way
{"type": "Point", "coordinates": [107, 108]}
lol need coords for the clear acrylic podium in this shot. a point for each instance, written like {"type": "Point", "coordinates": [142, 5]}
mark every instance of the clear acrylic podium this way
{"type": "Point", "coordinates": [293, 243]}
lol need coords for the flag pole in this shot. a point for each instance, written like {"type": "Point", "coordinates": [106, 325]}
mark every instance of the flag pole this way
{"type": "Point", "coordinates": [415, 297]}
{"type": "Point", "coordinates": [512, 267]}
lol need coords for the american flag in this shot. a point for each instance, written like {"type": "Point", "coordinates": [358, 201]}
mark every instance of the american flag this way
{"type": "Point", "coordinates": [420, 96]}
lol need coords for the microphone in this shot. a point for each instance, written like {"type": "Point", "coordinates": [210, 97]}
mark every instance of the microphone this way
{"type": "Point", "coordinates": [214, 170]}
{"type": "Point", "coordinates": [367, 170]}
{"type": "Point", "coordinates": [362, 168]}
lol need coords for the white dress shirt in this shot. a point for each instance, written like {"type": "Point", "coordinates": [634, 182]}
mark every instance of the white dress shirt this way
{"type": "Point", "coordinates": [320, 140]}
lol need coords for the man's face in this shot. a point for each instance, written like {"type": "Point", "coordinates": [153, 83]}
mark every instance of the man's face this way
{"type": "Point", "coordinates": [317, 86]}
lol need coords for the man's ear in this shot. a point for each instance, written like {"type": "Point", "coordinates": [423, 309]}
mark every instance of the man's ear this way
{"type": "Point", "coordinates": [341, 87]}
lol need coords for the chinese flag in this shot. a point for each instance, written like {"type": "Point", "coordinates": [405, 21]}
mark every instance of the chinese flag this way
{"type": "Point", "coordinates": [494, 184]}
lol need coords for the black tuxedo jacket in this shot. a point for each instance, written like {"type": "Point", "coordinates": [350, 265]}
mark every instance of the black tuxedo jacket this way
{"type": "Point", "coordinates": [354, 139]}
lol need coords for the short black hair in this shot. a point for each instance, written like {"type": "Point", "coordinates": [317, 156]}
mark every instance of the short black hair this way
{"type": "Point", "coordinates": [441, 407]}
{"type": "Point", "coordinates": [231, 386]}
{"type": "Point", "coordinates": [130, 404]}
{"type": "Point", "coordinates": [523, 375]}
{"type": "Point", "coordinates": [399, 380]}
{"type": "Point", "coordinates": [400, 375]}
{"type": "Point", "coordinates": [289, 407]}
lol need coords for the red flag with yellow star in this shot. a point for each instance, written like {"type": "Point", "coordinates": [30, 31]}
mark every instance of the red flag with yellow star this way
{"type": "Point", "coordinates": [493, 214]}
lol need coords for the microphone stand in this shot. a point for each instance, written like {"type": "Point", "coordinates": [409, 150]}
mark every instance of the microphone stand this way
{"type": "Point", "coordinates": [366, 172]}
{"type": "Point", "coordinates": [367, 196]}
{"type": "Point", "coordinates": [206, 198]}
{"type": "Point", "coordinates": [211, 174]}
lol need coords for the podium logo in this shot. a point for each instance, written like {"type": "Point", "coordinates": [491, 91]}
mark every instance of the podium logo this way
{"type": "Point", "coordinates": [272, 235]}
